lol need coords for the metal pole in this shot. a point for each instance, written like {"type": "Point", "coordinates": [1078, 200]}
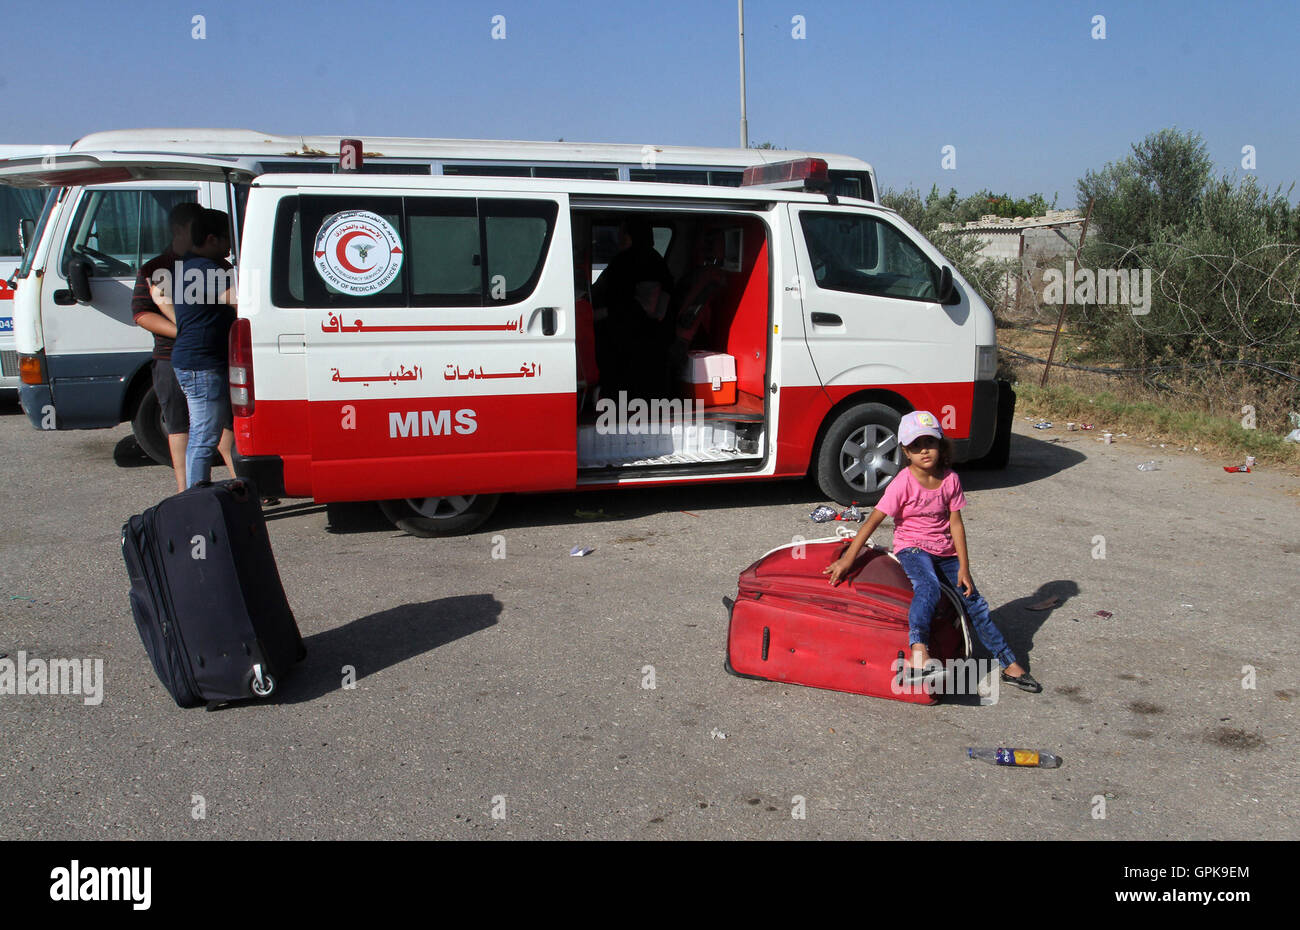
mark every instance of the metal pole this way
{"type": "Point", "coordinates": [1060, 321]}
{"type": "Point", "coordinates": [744, 119]}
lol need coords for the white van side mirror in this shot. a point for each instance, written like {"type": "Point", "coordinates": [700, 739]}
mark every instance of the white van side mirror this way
{"type": "Point", "coordinates": [947, 289]}
{"type": "Point", "coordinates": [80, 270]}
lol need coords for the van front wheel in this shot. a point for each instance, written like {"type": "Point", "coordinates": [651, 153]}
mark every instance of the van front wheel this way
{"type": "Point", "coordinates": [147, 427]}
{"type": "Point", "coordinates": [430, 517]}
{"type": "Point", "coordinates": [860, 454]}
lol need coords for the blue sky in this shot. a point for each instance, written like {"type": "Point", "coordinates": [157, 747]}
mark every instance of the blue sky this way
{"type": "Point", "coordinates": [1023, 92]}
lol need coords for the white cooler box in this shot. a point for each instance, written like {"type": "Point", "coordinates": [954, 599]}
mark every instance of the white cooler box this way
{"type": "Point", "coordinates": [710, 378]}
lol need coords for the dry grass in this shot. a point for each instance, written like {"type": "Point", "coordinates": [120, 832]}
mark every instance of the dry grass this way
{"type": "Point", "coordinates": [1199, 412]}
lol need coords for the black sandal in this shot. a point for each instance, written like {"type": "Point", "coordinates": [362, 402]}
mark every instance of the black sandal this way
{"type": "Point", "coordinates": [915, 674]}
{"type": "Point", "coordinates": [1025, 682]}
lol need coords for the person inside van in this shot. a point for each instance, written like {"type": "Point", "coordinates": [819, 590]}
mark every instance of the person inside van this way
{"type": "Point", "coordinates": [148, 315]}
{"type": "Point", "coordinates": [634, 289]}
{"type": "Point", "coordinates": [690, 314]}
{"type": "Point", "coordinates": [204, 301]}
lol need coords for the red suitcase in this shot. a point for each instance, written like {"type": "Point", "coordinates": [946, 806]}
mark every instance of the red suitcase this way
{"type": "Point", "coordinates": [789, 624]}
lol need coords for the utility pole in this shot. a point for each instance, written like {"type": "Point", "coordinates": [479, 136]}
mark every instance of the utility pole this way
{"type": "Point", "coordinates": [744, 119]}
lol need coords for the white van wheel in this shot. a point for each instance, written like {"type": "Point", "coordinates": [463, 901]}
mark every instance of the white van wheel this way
{"type": "Point", "coordinates": [860, 454]}
{"type": "Point", "coordinates": [430, 517]}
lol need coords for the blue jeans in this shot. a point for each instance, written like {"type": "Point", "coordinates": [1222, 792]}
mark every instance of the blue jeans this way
{"type": "Point", "coordinates": [208, 397]}
{"type": "Point", "coordinates": [921, 571]}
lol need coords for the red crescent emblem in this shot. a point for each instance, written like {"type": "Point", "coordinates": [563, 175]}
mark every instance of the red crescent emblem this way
{"type": "Point", "coordinates": [340, 251]}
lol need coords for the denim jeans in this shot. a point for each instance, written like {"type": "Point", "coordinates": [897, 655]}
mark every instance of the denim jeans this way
{"type": "Point", "coordinates": [207, 395]}
{"type": "Point", "coordinates": [921, 570]}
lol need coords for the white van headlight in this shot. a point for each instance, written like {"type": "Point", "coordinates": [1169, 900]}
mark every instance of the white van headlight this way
{"type": "Point", "coordinates": [986, 362]}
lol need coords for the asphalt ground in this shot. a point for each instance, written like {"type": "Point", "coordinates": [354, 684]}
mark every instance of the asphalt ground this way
{"type": "Point", "coordinates": [507, 698]}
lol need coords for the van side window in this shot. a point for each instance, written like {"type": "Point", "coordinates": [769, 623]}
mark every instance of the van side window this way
{"type": "Point", "coordinates": [865, 255]}
{"type": "Point", "coordinates": [517, 236]}
{"type": "Point", "coordinates": [16, 204]}
{"type": "Point", "coordinates": [444, 251]}
{"type": "Point", "coordinates": [456, 251]}
{"type": "Point", "coordinates": [286, 256]}
{"type": "Point", "coordinates": [118, 230]}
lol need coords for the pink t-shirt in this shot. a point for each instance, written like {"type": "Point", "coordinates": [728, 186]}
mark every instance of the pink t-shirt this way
{"type": "Point", "coordinates": [921, 517]}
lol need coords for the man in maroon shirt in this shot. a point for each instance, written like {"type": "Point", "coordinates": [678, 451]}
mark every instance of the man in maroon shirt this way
{"type": "Point", "coordinates": [147, 315]}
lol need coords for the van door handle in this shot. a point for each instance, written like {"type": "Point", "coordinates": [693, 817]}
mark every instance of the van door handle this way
{"type": "Point", "coordinates": [826, 319]}
{"type": "Point", "coordinates": [549, 321]}
{"type": "Point", "coordinates": [63, 297]}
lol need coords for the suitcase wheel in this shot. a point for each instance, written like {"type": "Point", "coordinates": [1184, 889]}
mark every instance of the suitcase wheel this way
{"type": "Point", "coordinates": [263, 683]}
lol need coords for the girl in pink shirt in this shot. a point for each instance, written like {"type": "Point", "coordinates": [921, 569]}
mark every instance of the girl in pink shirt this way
{"type": "Point", "coordinates": [925, 500]}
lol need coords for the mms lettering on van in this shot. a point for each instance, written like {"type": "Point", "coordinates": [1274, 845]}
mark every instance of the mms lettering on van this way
{"type": "Point", "coordinates": [416, 423]}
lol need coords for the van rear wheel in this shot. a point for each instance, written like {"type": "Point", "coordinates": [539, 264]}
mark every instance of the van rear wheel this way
{"type": "Point", "coordinates": [860, 454]}
{"type": "Point", "coordinates": [430, 517]}
{"type": "Point", "coordinates": [147, 427]}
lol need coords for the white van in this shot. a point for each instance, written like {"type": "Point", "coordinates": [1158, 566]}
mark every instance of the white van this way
{"type": "Point", "coordinates": [427, 342]}
{"type": "Point", "coordinates": [421, 342]}
{"type": "Point", "coordinates": [87, 365]}
{"type": "Point", "coordinates": [19, 209]}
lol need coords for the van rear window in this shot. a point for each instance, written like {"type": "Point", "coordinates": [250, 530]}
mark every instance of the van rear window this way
{"type": "Point", "coordinates": [454, 251]}
{"type": "Point", "coordinates": [16, 204]}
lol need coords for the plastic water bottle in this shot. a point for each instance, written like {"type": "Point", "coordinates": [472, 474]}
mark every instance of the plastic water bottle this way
{"type": "Point", "coordinates": [1023, 757]}
{"type": "Point", "coordinates": [1148, 466]}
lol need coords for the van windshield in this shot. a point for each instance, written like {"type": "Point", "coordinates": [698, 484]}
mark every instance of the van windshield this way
{"type": "Point", "coordinates": [29, 253]}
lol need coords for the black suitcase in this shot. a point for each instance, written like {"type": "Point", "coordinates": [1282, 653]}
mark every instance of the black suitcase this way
{"type": "Point", "coordinates": [207, 596]}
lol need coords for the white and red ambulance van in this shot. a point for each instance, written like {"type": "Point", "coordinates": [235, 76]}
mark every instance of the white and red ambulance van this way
{"type": "Point", "coordinates": [433, 341]}
{"type": "Point", "coordinates": [426, 342]}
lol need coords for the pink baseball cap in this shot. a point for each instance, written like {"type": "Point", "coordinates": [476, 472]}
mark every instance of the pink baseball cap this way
{"type": "Point", "coordinates": [916, 424]}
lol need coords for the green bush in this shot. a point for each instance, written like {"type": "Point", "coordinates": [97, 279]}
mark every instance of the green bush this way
{"type": "Point", "coordinates": [1223, 257]}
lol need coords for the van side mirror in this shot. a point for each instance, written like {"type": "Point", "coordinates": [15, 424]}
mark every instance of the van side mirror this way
{"type": "Point", "coordinates": [946, 286]}
{"type": "Point", "coordinates": [26, 227]}
{"type": "Point", "coordinates": [80, 270]}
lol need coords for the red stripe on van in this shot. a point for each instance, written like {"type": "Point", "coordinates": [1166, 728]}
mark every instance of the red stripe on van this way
{"type": "Point", "coordinates": [417, 447]}
{"type": "Point", "coordinates": [803, 409]}
{"type": "Point", "coordinates": [519, 442]}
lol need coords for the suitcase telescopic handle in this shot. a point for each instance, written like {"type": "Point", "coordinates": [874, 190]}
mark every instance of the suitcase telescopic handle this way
{"type": "Point", "coordinates": [238, 487]}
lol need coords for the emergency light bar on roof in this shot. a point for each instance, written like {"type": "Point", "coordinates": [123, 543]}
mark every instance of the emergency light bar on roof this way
{"type": "Point", "coordinates": [809, 174]}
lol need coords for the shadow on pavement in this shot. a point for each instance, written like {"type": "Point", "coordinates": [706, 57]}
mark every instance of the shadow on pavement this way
{"type": "Point", "coordinates": [128, 454]}
{"type": "Point", "coordinates": [1032, 459]}
{"type": "Point", "coordinates": [377, 641]}
{"type": "Point", "coordinates": [301, 508]}
{"type": "Point", "coordinates": [617, 504]}
{"type": "Point", "coordinates": [1019, 624]}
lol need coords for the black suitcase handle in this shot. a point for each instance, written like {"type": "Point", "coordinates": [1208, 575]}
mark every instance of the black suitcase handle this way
{"type": "Point", "coordinates": [238, 487]}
